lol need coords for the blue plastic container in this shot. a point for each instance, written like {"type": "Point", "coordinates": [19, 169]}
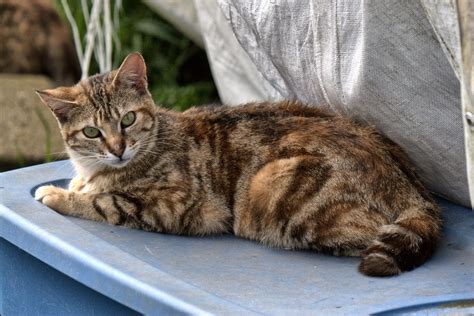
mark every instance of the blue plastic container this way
{"type": "Point", "coordinates": [57, 265]}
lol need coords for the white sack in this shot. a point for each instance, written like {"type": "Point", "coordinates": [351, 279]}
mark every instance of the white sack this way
{"type": "Point", "coordinates": [379, 61]}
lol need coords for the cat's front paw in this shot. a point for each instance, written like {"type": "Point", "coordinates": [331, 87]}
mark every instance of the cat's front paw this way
{"type": "Point", "coordinates": [52, 196]}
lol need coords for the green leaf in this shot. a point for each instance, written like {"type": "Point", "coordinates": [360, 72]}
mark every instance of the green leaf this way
{"type": "Point", "coordinates": [158, 30]}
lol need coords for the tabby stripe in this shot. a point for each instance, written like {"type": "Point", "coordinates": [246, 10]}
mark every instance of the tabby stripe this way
{"type": "Point", "coordinates": [158, 223]}
{"type": "Point", "coordinates": [227, 177]}
{"type": "Point", "coordinates": [211, 141]}
{"type": "Point", "coordinates": [98, 208]}
{"type": "Point", "coordinates": [298, 232]}
{"type": "Point", "coordinates": [121, 211]}
{"type": "Point", "coordinates": [72, 134]}
{"type": "Point", "coordinates": [132, 200]}
{"type": "Point", "coordinates": [301, 189]}
{"type": "Point", "coordinates": [75, 146]}
{"type": "Point", "coordinates": [106, 101]}
{"type": "Point", "coordinates": [92, 101]}
{"type": "Point", "coordinates": [210, 170]}
{"type": "Point", "coordinates": [145, 226]}
{"type": "Point", "coordinates": [107, 109]}
{"type": "Point", "coordinates": [380, 247]}
{"type": "Point", "coordinates": [116, 111]}
{"type": "Point", "coordinates": [326, 218]}
{"type": "Point", "coordinates": [138, 206]}
{"type": "Point", "coordinates": [188, 215]}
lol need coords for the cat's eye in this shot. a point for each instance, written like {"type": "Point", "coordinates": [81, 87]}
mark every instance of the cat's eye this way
{"type": "Point", "coordinates": [91, 132]}
{"type": "Point", "coordinates": [128, 119]}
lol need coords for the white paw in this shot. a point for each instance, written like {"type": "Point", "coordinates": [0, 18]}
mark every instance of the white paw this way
{"type": "Point", "coordinates": [52, 196]}
{"type": "Point", "coordinates": [41, 192]}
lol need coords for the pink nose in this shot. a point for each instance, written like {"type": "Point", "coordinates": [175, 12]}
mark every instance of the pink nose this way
{"type": "Point", "coordinates": [117, 148]}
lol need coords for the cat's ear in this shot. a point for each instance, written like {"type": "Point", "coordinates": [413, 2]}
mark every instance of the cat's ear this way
{"type": "Point", "coordinates": [59, 101]}
{"type": "Point", "coordinates": [132, 73]}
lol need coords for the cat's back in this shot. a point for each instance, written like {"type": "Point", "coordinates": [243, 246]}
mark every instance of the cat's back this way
{"type": "Point", "coordinates": [288, 128]}
{"type": "Point", "coordinates": [258, 111]}
{"type": "Point", "coordinates": [276, 120]}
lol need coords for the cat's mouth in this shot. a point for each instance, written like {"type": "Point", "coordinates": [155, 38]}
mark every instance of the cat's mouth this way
{"type": "Point", "coordinates": [119, 162]}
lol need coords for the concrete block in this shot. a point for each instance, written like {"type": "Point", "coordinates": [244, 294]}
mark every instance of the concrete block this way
{"type": "Point", "coordinates": [29, 132]}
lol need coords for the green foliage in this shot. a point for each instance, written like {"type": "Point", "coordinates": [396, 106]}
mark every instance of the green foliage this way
{"type": "Point", "coordinates": [47, 150]}
{"type": "Point", "coordinates": [181, 98]}
{"type": "Point", "coordinates": [178, 74]}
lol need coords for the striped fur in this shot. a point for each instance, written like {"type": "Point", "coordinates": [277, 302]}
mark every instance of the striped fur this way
{"type": "Point", "coordinates": [282, 173]}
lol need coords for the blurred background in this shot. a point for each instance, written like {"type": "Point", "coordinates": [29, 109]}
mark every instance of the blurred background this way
{"type": "Point", "coordinates": [45, 43]}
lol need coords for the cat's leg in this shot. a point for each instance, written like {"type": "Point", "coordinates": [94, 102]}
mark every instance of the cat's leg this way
{"type": "Point", "coordinates": [161, 211]}
{"type": "Point", "coordinates": [102, 207]}
{"type": "Point", "coordinates": [292, 204]}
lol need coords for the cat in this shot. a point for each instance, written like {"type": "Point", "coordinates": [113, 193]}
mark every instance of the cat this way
{"type": "Point", "coordinates": [284, 174]}
{"type": "Point", "coordinates": [36, 41]}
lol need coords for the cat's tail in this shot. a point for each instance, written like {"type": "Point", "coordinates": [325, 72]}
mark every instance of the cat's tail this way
{"type": "Point", "coordinates": [403, 245]}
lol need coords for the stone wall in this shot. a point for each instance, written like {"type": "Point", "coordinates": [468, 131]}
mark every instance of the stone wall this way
{"type": "Point", "coordinates": [28, 130]}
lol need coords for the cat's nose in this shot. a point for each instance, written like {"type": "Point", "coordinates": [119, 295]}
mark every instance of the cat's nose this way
{"type": "Point", "coordinates": [117, 148]}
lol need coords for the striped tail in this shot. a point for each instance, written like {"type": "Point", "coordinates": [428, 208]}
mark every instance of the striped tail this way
{"type": "Point", "coordinates": [404, 245]}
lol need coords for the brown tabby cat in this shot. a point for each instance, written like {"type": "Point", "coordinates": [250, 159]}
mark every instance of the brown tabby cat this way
{"type": "Point", "coordinates": [284, 174]}
{"type": "Point", "coordinates": [34, 39]}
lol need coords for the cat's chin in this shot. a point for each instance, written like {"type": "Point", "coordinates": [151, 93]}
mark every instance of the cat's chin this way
{"type": "Point", "coordinates": [118, 163]}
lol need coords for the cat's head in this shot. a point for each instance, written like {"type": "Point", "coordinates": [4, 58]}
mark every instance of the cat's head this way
{"type": "Point", "coordinates": [106, 120]}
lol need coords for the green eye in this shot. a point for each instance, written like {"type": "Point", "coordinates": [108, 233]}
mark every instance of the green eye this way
{"type": "Point", "coordinates": [128, 119]}
{"type": "Point", "coordinates": [91, 132]}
